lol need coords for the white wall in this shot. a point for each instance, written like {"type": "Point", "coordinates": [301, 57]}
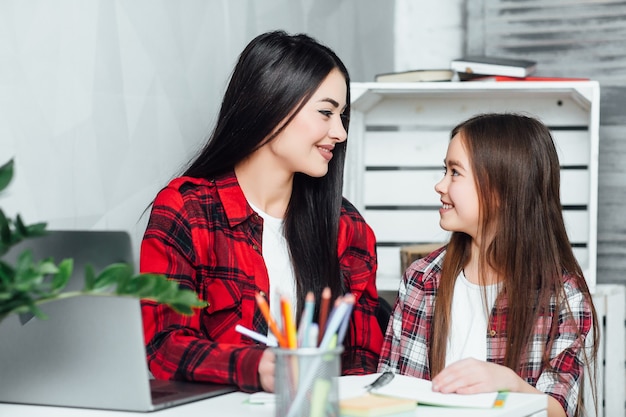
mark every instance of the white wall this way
{"type": "Point", "coordinates": [428, 35]}
{"type": "Point", "coordinates": [102, 101]}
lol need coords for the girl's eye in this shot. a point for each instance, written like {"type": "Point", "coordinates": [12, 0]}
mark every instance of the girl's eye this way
{"type": "Point", "coordinates": [326, 113]}
{"type": "Point", "coordinates": [455, 172]}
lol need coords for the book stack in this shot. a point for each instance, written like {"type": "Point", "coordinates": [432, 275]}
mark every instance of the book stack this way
{"type": "Point", "coordinates": [473, 66]}
{"type": "Point", "coordinates": [423, 75]}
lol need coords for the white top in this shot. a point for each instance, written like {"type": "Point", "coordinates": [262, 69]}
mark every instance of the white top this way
{"type": "Point", "coordinates": [278, 264]}
{"type": "Point", "coordinates": [468, 320]}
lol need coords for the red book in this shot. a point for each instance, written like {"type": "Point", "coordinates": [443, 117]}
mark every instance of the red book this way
{"type": "Point", "coordinates": [505, 78]}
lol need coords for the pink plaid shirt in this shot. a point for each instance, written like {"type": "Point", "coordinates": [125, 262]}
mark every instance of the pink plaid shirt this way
{"type": "Point", "coordinates": [407, 340]}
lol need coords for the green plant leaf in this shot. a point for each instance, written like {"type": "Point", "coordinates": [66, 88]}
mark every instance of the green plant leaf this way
{"type": "Point", "coordinates": [90, 278]}
{"type": "Point", "coordinates": [111, 275]}
{"type": "Point", "coordinates": [62, 277]}
{"type": "Point", "coordinates": [5, 231]}
{"type": "Point", "coordinates": [6, 174]}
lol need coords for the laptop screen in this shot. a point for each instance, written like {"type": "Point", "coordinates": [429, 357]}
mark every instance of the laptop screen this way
{"type": "Point", "coordinates": [90, 351]}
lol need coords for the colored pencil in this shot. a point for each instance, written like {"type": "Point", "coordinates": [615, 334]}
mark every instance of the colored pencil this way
{"type": "Point", "coordinates": [324, 307]}
{"type": "Point", "coordinates": [265, 309]}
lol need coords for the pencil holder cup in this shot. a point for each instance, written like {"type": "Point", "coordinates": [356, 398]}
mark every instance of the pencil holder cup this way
{"type": "Point", "coordinates": [306, 382]}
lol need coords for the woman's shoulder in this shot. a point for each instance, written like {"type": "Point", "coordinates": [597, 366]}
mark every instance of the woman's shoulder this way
{"type": "Point", "coordinates": [187, 186]}
{"type": "Point", "coordinates": [348, 209]}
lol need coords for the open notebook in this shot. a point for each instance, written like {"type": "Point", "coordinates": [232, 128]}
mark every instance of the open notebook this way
{"type": "Point", "coordinates": [89, 352]}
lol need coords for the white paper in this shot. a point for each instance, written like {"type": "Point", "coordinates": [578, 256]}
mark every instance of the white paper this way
{"type": "Point", "coordinates": [420, 390]}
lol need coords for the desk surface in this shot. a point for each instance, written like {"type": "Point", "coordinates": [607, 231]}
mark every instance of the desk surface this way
{"type": "Point", "coordinates": [235, 405]}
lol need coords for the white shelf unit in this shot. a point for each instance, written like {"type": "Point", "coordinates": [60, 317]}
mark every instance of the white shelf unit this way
{"type": "Point", "coordinates": [398, 138]}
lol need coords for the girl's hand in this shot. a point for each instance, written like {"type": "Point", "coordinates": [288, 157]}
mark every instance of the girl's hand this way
{"type": "Point", "coordinates": [266, 370]}
{"type": "Point", "coordinates": [471, 376]}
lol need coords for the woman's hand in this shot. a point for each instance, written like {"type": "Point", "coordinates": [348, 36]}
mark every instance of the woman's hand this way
{"type": "Point", "coordinates": [266, 370]}
{"type": "Point", "coordinates": [472, 376]}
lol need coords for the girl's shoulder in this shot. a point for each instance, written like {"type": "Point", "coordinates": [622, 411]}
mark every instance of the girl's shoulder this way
{"type": "Point", "coordinates": [574, 286]}
{"type": "Point", "coordinates": [426, 270]}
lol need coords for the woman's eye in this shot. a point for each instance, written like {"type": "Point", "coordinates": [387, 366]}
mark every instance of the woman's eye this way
{"type": "Point", "coordinates": [455, 172]}
{"type": "Point", "coordinates": [326, 113]}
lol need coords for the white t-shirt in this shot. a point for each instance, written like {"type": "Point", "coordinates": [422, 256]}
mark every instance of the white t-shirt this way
{"type": "Point", "coordinates": [468, 320]}
{"type": "Point", "coordinates": [278, 264]}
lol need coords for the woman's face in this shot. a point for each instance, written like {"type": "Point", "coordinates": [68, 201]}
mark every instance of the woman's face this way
{"type": "Point", "coordinates": [306, 144]}
{"type": "Point", "coordinates": [459, 196]}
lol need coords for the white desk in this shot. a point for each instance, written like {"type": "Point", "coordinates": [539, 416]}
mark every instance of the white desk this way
{"type": "Point", "coordinates": [234, 405]}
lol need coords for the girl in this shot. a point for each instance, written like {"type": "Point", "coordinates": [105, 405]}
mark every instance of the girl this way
{"type": "Point", "coordinates": [504, 306]}
{"type": "Point", "coordinates": [260, 209]}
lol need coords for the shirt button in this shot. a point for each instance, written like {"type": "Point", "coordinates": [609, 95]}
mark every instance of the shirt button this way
{"type": "Point", "coordinates": [255, 247]}
{"type": "Point", "coordinates": [492, 333]}
{"type": "Point", "coordinates": [208, 304]}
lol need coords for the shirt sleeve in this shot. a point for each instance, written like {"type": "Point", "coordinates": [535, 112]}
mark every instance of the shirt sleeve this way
{"type": "Point", "coordinates": [390, 351]}
{"type": "Point", "coordinates": [562, 379]}
{"type": "Point", "coordinates": [176, 346]}
{"type": "Point", "coordinates": [357, 257]}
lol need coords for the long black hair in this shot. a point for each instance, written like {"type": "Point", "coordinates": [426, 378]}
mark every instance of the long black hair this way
{"type": "Point", "coordinates": [276, 74]}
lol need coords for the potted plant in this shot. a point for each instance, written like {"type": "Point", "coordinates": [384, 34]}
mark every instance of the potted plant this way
{"type": "Point", "coordinates": [31, 282]}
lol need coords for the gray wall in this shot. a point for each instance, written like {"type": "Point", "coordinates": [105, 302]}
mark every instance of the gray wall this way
{"type": "Point", "coordinates": [587, 39]}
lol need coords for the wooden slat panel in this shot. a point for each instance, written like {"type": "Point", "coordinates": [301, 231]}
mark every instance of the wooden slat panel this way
{"type": "Point", "coordinates": [406, 226]}
{"type": "Point", "coordinates": [406, 148]}
{"type": "Point", "coordinates": [389, 265]}
{"type": "Point", "coordinates": [444, 110]}
{"type": "Point", "coordinates": [417, 188]}
{"type": "Point", "coordinates": [423, 226]}
{"type": "Point", "coordinates": [572, 146]}
{"type": "Point", "coordinates": [425, 147]}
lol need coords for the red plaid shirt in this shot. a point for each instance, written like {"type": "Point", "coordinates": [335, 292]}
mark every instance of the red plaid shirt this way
{"type": "Point", "coordinates": [205, 235]}
{"type": "Point", "coordinates": [405, 349]}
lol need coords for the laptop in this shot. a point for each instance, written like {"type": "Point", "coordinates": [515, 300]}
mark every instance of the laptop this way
{"type": "Point", "coordinates": [90, 351]}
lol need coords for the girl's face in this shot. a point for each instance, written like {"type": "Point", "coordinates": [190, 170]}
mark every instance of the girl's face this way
{"type": "Point", "coordinates": [306, 144]}
{"type": "Point", "coordinates": [459, 197]}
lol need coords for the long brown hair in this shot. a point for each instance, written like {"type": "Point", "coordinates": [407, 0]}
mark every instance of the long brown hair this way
{"type": "Point", "coordinates": [517, 175]}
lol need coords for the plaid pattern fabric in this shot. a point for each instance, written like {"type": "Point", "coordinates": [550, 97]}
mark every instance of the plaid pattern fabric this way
{"type": "Point", "coordinates": [204, 235]}
{"type": "Point", "coordinates": [407, 340]}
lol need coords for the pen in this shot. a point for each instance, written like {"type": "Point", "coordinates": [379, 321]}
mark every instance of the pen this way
{"type": "Point", "coordinates": [254, 335]}
{"type": "Point", "coordinates": [288, 323]}
{"type": "Point", "coordinates": [324, 306]}
{"type": "Point", "coordinates": [381, 381]}
{"type": "Point", "coordinates": [265, 309]}
{"type": "Point", "coordinates": [306, 320]}
{"type": "Point", "coordinates": [334, 322]}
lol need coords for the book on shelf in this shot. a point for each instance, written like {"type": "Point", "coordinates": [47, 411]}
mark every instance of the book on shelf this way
{"type": "Point", "coordinates": [503, 78]}
{"type": "Point", "coordinates": [418, 75]}
{"type": "Point", "coordinates": [492, 65]}
{"type": "Point", "coordinates": [371, 405]}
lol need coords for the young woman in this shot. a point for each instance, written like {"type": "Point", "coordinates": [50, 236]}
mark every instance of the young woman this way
{"type": "Point", "coordinates": [260, 209]}
{"type": "Point", "coordinates": [504, 306]}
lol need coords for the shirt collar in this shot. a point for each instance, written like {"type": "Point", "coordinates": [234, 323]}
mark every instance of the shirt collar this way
{"type": "Point", "coordinates": [233, 200]}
